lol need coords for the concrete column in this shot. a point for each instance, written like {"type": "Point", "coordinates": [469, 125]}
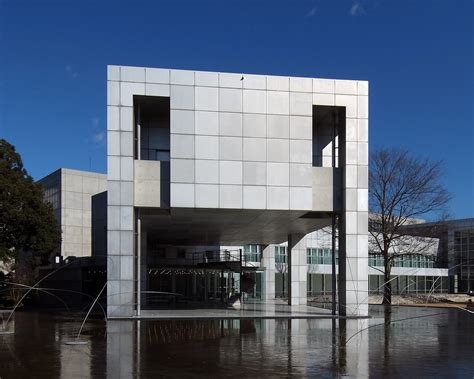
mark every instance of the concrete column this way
{"type": "Point", "coordinates": [353, 267]}
{"type": "Point", "coordinates": [297, 269]}
{"type": "Point", "coordinates": [353, 240]}
{"type": "Point", "coordinates": [268, 262]}
{"type": "Point", "coordinates": [121, 273]}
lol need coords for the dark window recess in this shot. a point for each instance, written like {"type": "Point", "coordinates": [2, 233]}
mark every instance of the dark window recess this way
{"type": "Point", "coordinates": [329, 124]}
{"type": "Point", "coordinates": [152, 128]}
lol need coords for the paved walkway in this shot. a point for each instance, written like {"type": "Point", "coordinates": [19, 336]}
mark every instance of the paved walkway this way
{"type": "Point", "coordinates": [260, 310]}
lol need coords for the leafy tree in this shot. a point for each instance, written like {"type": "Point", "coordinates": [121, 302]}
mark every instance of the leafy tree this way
{"type": "Point", "coordinates": [27, 222]}
{"type": "Point", "coordinates": [402, 189]}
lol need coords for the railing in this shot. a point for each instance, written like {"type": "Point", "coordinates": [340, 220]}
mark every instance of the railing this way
{"type": "Point", "coordinates": [217, 256]}
{"type": "Point", "coordinates": [229, 256]}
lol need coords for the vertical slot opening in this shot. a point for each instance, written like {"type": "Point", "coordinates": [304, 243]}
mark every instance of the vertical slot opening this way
{"type": "Point", "coordinates": [152, 128]}
{"type": "Point", "coordinates": [328, 127]}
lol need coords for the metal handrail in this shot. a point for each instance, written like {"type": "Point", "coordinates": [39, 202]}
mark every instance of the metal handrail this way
{"type": "Point", "coordinates": [222, 256]}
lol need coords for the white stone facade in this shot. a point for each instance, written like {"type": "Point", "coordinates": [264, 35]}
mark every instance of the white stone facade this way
{"type": "Point", "coordinates": [238, 142]}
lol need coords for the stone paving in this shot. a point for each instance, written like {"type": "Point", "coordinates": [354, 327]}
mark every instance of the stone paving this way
{"type": "Point", "coordinates": [262, 310]}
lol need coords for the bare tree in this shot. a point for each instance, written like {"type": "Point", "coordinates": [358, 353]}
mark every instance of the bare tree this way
{"type": "Point", "coordinates": [402, 189]}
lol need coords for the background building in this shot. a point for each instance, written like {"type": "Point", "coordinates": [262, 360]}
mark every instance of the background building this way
{"type": "Point", "coordinates": [70, 193]}
{"type": "Point", "coordinates": [456, 249]}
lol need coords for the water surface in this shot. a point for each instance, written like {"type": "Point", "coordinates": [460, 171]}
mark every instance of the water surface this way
{"type": "Point", "coordinates": [407, 342]}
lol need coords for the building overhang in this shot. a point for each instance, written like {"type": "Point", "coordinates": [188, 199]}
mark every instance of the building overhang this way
{"type": "Point", "coordinates": [195, 226]}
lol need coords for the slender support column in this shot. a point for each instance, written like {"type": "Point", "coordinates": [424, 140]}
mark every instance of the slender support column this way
{"type": "Point", "coordinates": [206, 286]}
{"type": "Point", "coordinates": [173, 281]}
{"type": "Point", "coordinates": [144, 275]}
{"type": "Point", "coordinates": [139, 264]}
{"type": "Point", "coordinates": [297, 270]}
{"type": "Point", "coordinates": [341, 285]}
{"type": "Point", "coordinates": [221, 285]}
{"type": "Point", "coordinates": [194, 286]}
{"type": "Point", "coordinates": [333, 230]}
{"type": "Point", "coordinates": [216, 283]}
{"type": "Point", "coordinates": [333, 264]}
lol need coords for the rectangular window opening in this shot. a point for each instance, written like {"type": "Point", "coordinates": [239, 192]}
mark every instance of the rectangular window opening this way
{"type": "Point", "coordinates": [152, 128]}
{"type": "Point", "coordinates": [329, 124]}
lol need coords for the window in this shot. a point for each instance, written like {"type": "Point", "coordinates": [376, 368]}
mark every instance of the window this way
{"type": "Point", "coordinates": [252, 253]}
{"type": "Point", "coordinates": [328, 125]}
{"type": "Point", "coordinates": [280, 254]}
{"type": "Point", "coordinates": [152, 128]}
{"type": "Point", "coordinates": [318, 256]}
{"type": "Point", "coordinates": [312, 257]}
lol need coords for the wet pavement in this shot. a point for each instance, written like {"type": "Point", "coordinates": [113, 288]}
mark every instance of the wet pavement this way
{"type": "Point", "coordinates": [248, 310]}
{"type": "Point", "coordinates": [409, 342]}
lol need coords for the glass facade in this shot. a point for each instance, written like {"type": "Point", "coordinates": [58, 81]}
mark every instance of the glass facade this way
{"type": "Point", "coordinates": [155, 144]}
{"type": "Point", "coordinates": [410, 284]}
{"type": "Point", "coordinates": [317, 256]}
{"type": "Point", "coordinates": [256, 293]}
{"type": "Point", "coordinates": [281, 282]}
{"type": "Point", "coordinates": [417, 261]}
{"type": "Point", "coordinates": [319, 284]}
{"type": "Point", "coordinates": [464, 259]}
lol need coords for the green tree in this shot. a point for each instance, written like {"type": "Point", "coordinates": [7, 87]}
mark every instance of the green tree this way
{"type": "Point", "coordinates": [27, 222]}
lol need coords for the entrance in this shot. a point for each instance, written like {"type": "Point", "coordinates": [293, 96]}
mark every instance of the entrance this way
{"type": "Point", "coordinates": [197, 277]}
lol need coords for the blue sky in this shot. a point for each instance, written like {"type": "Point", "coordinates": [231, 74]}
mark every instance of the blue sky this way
{"type": "Point", "coordinates": [417, 55]}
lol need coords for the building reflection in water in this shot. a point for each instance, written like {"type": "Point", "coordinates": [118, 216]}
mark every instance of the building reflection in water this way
{"type": "Point", "coordinates": [409, 342]}
{"type": "Point", "coordinates": [217, 347]}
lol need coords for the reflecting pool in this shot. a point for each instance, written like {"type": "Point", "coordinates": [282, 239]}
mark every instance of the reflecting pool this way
{"type": "Point", "coordinates": [406, 342]}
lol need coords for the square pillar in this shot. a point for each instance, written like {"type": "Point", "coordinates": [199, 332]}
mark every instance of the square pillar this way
{"type": "Point", "coordinates": [297, 269]}
{"type": "Point", "coordinates": [121, 217]}
{"type": "Point", "coordinates": [353, 226]}
{"type": "Point", "coordinates": [268, 261]}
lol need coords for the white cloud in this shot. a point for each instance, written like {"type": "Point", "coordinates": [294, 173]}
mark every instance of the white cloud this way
{"type": "Point", "coordinates": [312, 12]}
{"type": "Point", "coordinates": [357, 9]}
{"type": "Point", "coordinates": [99, 138]}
